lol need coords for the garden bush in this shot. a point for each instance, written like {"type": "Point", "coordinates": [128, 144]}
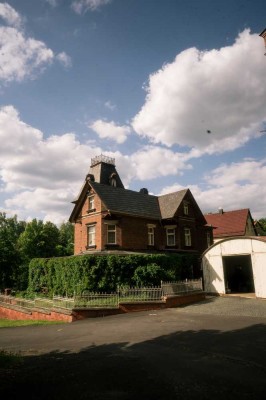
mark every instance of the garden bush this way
{"type": "Point", "coordinates": [66, 276]}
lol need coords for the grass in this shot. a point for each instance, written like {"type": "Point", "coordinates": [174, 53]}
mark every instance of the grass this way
{"type": "Point", "coordinates": [10, 323]}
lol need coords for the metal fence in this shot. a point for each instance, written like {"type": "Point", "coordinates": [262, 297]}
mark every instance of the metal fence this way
{"type": "Point", "coordinates": [182, 287]}
{"type": "Point", "coordinates": [108, 300]}
{"type": "Point", "coordinates": [140, 294]}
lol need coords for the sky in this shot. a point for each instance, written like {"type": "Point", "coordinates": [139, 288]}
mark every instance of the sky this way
{"type": "Point", "coordinates": [174, 90]}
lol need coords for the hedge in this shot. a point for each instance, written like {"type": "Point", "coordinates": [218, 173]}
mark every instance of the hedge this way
{"type": "Point", "coordinates": [72, 275]}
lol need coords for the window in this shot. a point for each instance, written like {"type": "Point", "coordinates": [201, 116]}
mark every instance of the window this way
{"type": "Point", "coordinates": [150, 236]}
{"type": "Point", "coordinates": [113, 182]}
{"type": "Point", "coordinates": [91, 203]}
{"type": "Point", "coordinates": [185, 208]}
{"type": "Point", "coordinates": [111, 234]}
{"type": "Point", "coordinates": [208, 239]}
{"type": "Point", "coordinates": [91, 235]}
{"type": "Point", "coordinates": [170, 235]}
{"type": "Point", "coordinates": [187, 237]}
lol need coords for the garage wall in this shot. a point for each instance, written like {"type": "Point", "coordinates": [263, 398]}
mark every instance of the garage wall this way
{"type": "Point", "coordinates": [212, 263]}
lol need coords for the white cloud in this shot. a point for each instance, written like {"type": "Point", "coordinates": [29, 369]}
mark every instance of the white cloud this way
{"type": "Point", "coordinates": [65, 59]}
{"type": "Point", "coordinates": [232, 187]}
{"type": "Point", "coordinates": [108, 104]}
{"type": "Point", "coordinates": [212, 101]}
{"type": "Point", "coordinates": [22, 57]}
{"type": "Point", "coordinates": [80, 6]}
{"type": "Point", "coordinates": [153, 162]}
{"type": "Point", "coordinates": [52, 3]}
{"type": "Point", "coordinates": [10, 15]}
{"type": "Point", "coordinates": [110, 130]}
{"type": "Point", "coordinates": [40, 176]}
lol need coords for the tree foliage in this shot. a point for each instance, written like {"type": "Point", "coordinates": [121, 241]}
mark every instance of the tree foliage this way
{"type": "Point", "coordinates": [20, 242]}
{"type": "Point", "coordinates": [262, 222]}
{"type": "Point", "coordinates": [10, 230]}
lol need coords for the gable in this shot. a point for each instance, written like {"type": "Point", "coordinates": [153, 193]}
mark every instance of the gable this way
{"type": "Point", "coordinates": [171, 204]}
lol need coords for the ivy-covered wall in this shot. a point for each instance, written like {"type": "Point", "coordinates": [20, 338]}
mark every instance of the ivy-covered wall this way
{"type": "Point", "coordinates": [72, 275]}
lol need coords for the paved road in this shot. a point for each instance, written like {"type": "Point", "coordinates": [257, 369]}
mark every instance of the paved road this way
{"type": "Point", "coordinates": [212, 349]}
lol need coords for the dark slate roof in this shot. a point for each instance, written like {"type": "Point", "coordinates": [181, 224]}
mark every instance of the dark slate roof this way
{"type": "Point", "coordinates": [125, 201]}
{"type": "Point", "coordinates": [229, 223]}
{"type": "Point", "coordinates": [169, 203]}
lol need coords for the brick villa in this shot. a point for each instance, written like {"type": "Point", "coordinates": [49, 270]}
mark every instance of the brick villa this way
{"type": "Point", "coordinates": [109, 217]}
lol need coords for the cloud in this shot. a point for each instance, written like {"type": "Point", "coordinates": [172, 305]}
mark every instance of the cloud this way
{"type": "Point", "coordinates": [80, 6]}
{"type": "Point", "coordinates": [110, 130]}
{"type": "Point", "coordinates": [10, 15]}
{"type": "Point", "coordinates": [52, 3]}
{"type": "Point", "coordinates": [108, 104]}
{"type": "Point", "coordinates": [22, 57]}
{"type": "Point", "coordinates": [212, 101]}
{"type": "Point", "coordinates": [154, 162]}
{"type": "Point", "coordinates": [232, 187]}
{"type": "Point", "coordinates": [40, 176]}
{"type": "Point", "coordinates": [64, 59]}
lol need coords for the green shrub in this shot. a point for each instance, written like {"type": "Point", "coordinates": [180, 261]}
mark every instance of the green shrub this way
{"type": "Point", "coordinates": [67, 276]}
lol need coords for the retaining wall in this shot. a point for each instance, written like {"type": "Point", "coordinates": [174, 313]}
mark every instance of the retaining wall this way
{"type": "Point", "coordinates": [19, 313]}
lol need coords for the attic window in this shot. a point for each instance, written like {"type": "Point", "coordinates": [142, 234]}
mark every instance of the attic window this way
{"type": "Point", "coordinates": [113, 179]}
{"type": "Point", "coordinates": [185, 205]}
{"type": "Point", "coordinates": [91, 203]}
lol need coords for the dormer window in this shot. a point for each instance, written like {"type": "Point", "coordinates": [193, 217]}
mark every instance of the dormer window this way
{"type": "Point", "coordinates": [112, 179]}
{"type": "Point", "coordinates": [113, 182]}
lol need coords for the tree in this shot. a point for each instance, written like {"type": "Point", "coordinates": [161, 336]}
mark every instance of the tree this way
{"type": "Point", "coordinates": [66, 240]}
{"type": "Point", "coordinates": [38, 240]}
{"type": "Point", "coordinates": [10, 230]}
{"type": "Point", "coordinates": [262, 222]}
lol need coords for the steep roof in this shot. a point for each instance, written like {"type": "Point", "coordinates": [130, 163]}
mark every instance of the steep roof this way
{"type": "Point", "coordinates": [169, 203]}
{"type": "Point", "coordinates": [125, 201]}
{"type": "Point", "coordinates": [139, 204]}
{"type": "Point", "coordinates": [229, 223]}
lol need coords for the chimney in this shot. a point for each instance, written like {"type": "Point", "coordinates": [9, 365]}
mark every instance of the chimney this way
{"type": "Point", "coordinates": [221, 211]}
{"type": "Point", "coordinates": [144, 191]}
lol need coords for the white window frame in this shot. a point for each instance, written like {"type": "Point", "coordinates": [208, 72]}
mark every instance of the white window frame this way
{"type": "Point", "coordinates": [151, 235]}
{"type": "Point", "coordinates": [187, 234]}
{"type": "Point", "coordinates": [91, 202]}
{"type": "Point", "coordinates": [111, 229]}
{"type": "Point", "coordinates": [186, 208]}
{"type": "Point", "coordinates": [91, 229]}
{"type": "Point", "coordinates": [171, 233]}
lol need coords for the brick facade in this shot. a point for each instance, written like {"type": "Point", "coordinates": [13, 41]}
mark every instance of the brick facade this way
{"type": "Point", "coordinates": [108, 217]}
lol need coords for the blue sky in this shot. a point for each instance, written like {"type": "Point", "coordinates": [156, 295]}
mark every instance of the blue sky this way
{"type": "Point", "coordinates": [175, 91]}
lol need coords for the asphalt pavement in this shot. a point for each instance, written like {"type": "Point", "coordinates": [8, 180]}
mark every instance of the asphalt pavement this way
{"type": "Point", "coordinates": [212, 349]}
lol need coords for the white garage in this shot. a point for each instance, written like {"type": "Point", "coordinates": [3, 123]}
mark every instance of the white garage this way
{"type": "Point", "coordinates": [236, 265]}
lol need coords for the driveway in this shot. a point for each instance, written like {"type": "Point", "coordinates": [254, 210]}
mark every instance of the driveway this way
{"type": "Point", "coordinates": [212, 349]}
